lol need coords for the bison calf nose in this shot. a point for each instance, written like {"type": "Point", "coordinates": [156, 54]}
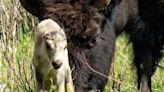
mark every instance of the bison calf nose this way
{"type": "Point", "coordinates": [56, 64]}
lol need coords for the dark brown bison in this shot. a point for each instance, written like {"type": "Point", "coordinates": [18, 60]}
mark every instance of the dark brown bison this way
{"type": "Point", "coordinates": [143, 20]}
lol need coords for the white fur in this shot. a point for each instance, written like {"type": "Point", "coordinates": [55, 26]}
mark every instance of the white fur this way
{"type": "Point", "coordinates": [43, 58]}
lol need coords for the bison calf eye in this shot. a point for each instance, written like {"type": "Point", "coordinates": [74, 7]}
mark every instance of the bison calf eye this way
{"type": "Point", "coordinates": [48, 46]}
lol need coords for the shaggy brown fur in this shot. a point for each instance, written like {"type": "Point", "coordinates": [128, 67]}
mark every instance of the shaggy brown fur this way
{"type": "Point", "coordinates": [78, 19]}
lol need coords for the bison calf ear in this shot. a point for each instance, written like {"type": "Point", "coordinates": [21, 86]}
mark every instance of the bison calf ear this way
{"type": "Point", "coordinates": [101, 4]}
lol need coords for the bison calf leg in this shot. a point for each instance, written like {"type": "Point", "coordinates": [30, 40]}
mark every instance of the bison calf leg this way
{"type": "Point", "coordinates": [64, 79]}
{"type": "Point", "coordinates": [39, 81]}
{"type": "Point", "coordinates": [69, 81]}
{"type": "Point", "coordinates": [60, 80]}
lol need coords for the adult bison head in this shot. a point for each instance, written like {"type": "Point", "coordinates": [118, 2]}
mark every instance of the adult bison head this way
{"type": "Point", "coordinates": [33, 6]}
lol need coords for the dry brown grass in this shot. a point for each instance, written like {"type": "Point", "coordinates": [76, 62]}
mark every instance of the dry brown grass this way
{"type": "Point", "coordinates": [14, 20]}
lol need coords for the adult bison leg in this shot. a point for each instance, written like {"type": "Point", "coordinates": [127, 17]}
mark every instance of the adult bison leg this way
{"type": "Point", "coordinates": [145, 66]}
{"type": "Point", "coordinates": [141, 37]}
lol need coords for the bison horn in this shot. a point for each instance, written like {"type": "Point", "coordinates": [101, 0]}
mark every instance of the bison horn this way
{"type": "Point", "coordinates": [101, 4]}
{"type": "Point", "coordinates": [31, 6]}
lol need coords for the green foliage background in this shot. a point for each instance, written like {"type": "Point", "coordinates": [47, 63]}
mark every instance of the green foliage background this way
{"type": "Point", "coordinates": [16, 46]}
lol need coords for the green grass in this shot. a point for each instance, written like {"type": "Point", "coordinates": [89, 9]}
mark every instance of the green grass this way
{"type": "Point", "coordinates": [124, 72]}
{"type": "Point", "coordinates": [16, 70]}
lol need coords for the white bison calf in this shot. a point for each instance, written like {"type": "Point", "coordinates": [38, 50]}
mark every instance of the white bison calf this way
{"type": "Point", "coordinates": [50, 59]}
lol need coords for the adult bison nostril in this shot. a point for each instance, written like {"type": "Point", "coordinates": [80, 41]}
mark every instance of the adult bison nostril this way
{"type": "Point", "coordinates": [56, 65]}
